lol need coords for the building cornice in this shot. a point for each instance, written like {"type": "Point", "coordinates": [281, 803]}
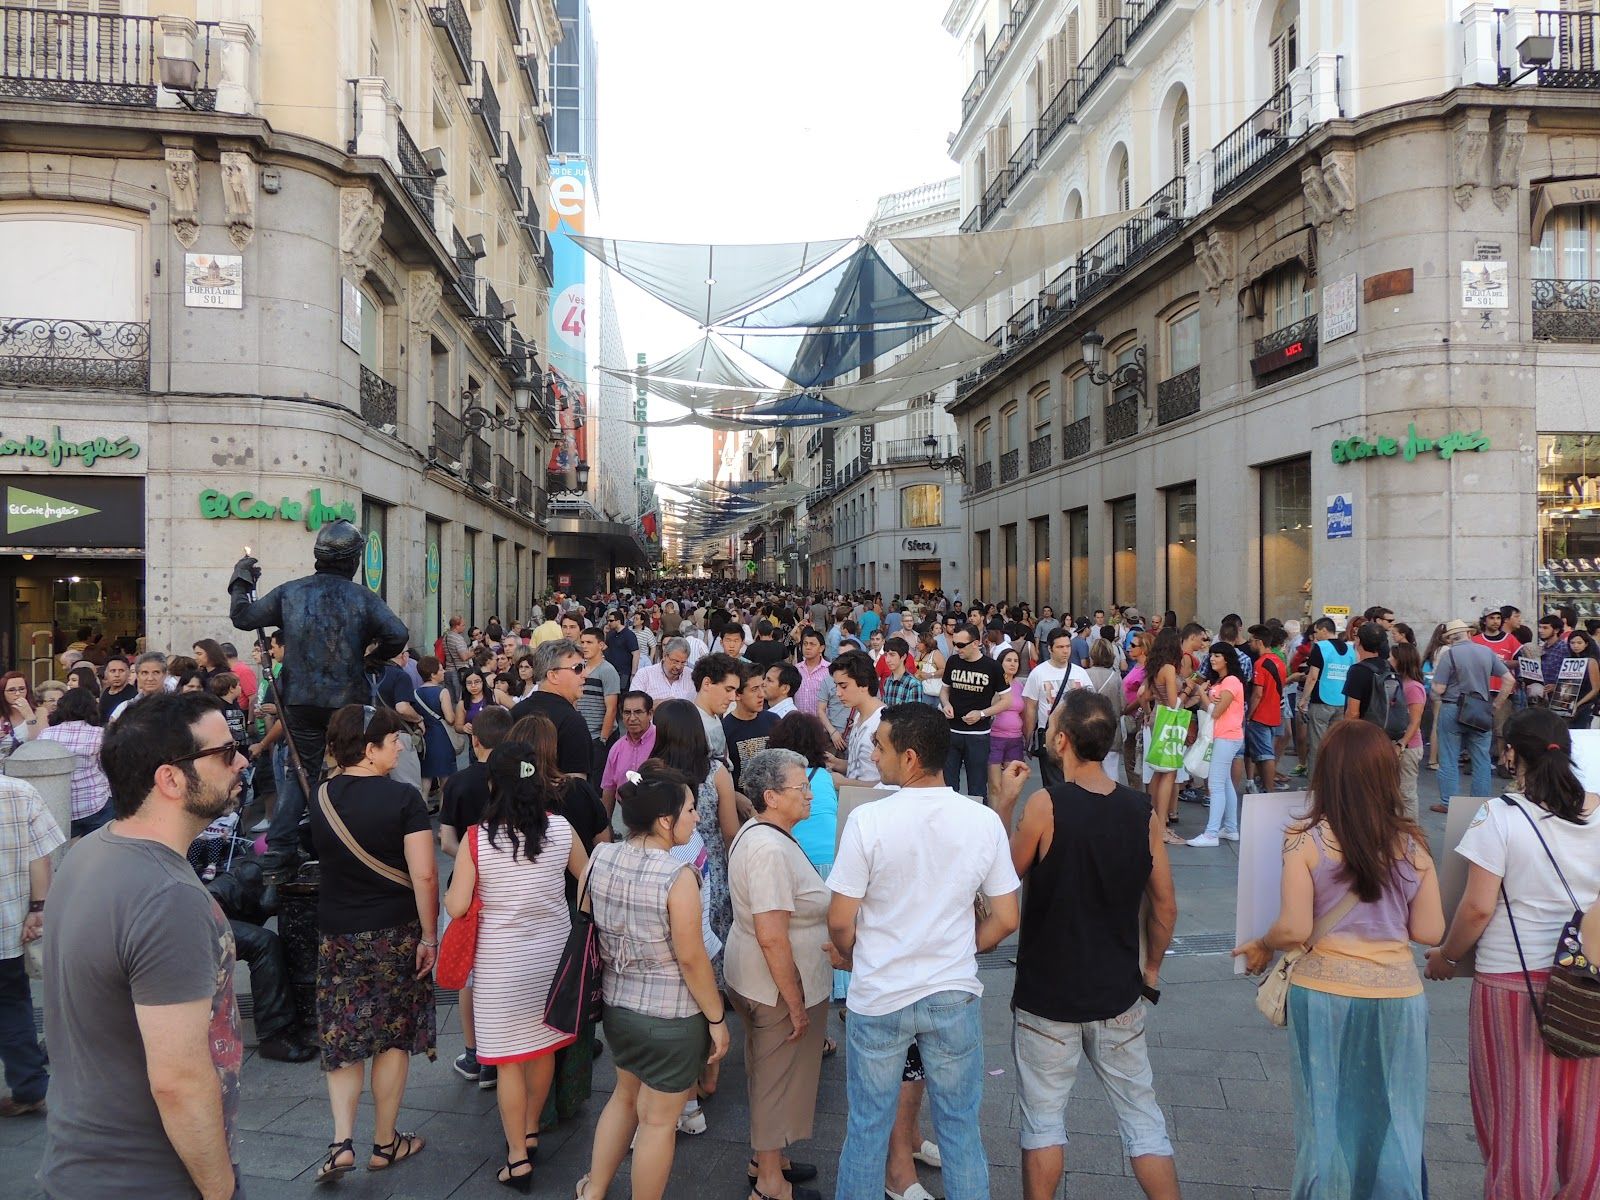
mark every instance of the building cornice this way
{"type": "Point", "coordinates": [957, 16]}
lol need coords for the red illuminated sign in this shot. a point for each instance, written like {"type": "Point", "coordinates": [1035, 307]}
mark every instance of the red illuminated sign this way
{"type": "Point", "coordinates": [1274, 360]}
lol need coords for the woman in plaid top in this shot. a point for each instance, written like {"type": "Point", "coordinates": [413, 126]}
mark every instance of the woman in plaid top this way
{"type": "Point", "coordinates": [75, 723]}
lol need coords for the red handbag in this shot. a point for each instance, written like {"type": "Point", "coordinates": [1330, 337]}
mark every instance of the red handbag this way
{"type": "Point", "coordinates": [459, 946]}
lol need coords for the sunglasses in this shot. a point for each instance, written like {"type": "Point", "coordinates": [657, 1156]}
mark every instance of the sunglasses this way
{"type": "Point", "coordinates": [576, 669]}
{"type": "Point", "coordinates": [227, 750]}
{"type": "Point", "coordinates": [962, 645]}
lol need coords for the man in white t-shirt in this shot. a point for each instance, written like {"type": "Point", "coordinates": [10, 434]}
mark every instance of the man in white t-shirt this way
{"type": "Point", "coordinates": [904, 880]}
{"type": "Point", "coordinates": [1043, 689]}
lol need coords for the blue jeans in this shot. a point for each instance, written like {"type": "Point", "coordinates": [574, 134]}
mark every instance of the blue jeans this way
{"type": "Point", "coordinates": [1224, 817]}
{"type": "Point", "coordinates": [1452, 736]}
{"type": "Point", "coordinates": [948, 1028]}
{"type": "Point", "coordinates": [19, 1046]}
{"type": "Point", "coordinates": [969, 751]}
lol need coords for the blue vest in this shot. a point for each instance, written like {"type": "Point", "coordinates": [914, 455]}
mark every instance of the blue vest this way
{"type": "Point", "coordinates": [1335, 667]}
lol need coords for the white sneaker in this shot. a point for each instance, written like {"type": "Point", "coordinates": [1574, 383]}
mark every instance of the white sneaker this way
{"type": "Point", "coordinates": [692, 1121]}
{"type": "Point", "coordinates": [915, 1192]}
{"type": "Point", "coordinates": [261, 826]}
{"type": "Point", "coordinates": [928, 1155]}
{"type": "Point", "coordinates": [1204, 841]}
{"type": "Point", "coordinates": [1228, 837]}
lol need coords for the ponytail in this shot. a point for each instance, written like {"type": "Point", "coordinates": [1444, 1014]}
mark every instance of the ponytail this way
{"type": "Point", "coordinates": [519, 798]}
{"type": "Point", "coordinates": [1544, 751]}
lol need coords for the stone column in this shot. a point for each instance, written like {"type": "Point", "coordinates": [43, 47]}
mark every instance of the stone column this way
{"type": "Point", "coordinates": [236, 83]}
{"type": "Point", "coordinates": [48, 766]}
{"type": "Point", "coordinates": [1322, 73]}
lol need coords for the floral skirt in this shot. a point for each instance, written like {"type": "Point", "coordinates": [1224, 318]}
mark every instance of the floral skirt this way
{"type": "Point", "coordinates": [369, 998]}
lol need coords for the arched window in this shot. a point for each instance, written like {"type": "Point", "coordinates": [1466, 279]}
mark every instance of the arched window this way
{"type": "Point", "coordinates": [1283, 43]}
{"type": "Point", "coordinates": [1119, 195]}
{"type": "Point", "coordinates": [1180, 134]}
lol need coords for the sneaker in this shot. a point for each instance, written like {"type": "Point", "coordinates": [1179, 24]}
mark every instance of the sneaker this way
{"type": "Point", "coordinates": [1205, 841]}
{"type": "Point", "coordinates": [488, 1078]}
{"type": "Point", "coordinates": [692, 1121]}
{"type": "Point", "coordinates": [466, 1065]}
{"type": "Point", "coordinates": [1299, 772]}
{"type": "Point", "coordinates": [915, 1192]}
{"type": "Point", "coordinates": [928, 1155]}
{"type": "Point", "coordinates": [261, 826]}
{"type": "Point", "coordinates": [1228, 837]}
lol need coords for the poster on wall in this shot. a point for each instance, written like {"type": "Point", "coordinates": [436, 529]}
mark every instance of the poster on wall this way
{"type": "Point", "coordinates": [1341, 516]}
{"type": "Point", "coordinates": [213, 281]}
{"type": "Point", "coordinates": [1485, 284]}
{"type": "Point", "coordinates": [1339, 308]}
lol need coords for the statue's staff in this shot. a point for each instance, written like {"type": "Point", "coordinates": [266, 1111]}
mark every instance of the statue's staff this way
{"type": "Point", "coordinates": [264, 646]}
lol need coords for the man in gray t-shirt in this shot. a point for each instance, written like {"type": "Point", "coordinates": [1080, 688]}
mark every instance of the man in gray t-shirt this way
{"type": "Point", "coordinates": [602, 693]}
{"type": "Point", "coordinates": [139, 1008]}
{"type": "Point", "coordinates": [1464, 667]}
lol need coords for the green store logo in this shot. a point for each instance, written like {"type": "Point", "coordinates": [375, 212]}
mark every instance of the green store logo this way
{"type": "Point", "coordinates": [1349, 450]}
{"type": "Point", "coordinates": [244, 506]}
{"type": "Point", "coordinates": [58, 450]}
{"type": "Point", "coordinates": [372, 561]}
{"type": "Point", "coordinates": [433, 568]}
{"type": "Point", "coordinates": [29, 510]}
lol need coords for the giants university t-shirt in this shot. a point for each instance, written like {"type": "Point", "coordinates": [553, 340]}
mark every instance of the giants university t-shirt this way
{"type": "Point", "coordinates": [972, 686]}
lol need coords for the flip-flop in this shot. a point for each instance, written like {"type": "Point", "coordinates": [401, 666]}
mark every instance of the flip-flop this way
{"type": "Point", "coordinates": [829, 1047]}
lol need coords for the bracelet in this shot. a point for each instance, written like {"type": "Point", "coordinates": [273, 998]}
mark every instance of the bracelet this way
{"type": "Point", "coordinates": [722, 1020]}
{"type": "Point", "coordinates": [1454, 962]}
{"type": "Point", "coordinates": [428, 944]}
{"type": "Point", "coordinates": [36, 906]}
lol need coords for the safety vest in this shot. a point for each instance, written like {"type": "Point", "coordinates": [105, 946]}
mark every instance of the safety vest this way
{"type": "Point", "coordinates": [1335, 667]}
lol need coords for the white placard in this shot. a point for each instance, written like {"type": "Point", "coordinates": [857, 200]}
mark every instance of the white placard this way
{"type": "Point", "coordinates": [1261, 826]}
{"type": "Point", "coordinates": [213, 281]}
{"type": "Point", "coordinates": [1339, 308]}
{"type": "Point", "coordinates": [350, 315]}
{"type": "Point", "coordinates": [1586, 757]}
{"type": "Point", "coordinates": [1485, 284]}
{"type": "Point", "coordinates": [1452, 867]}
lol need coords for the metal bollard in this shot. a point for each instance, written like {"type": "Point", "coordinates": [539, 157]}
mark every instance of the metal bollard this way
{"type": "Point", "coordinates": [48, 766]}
{"type": "Point", "coordinates": [297, 927]}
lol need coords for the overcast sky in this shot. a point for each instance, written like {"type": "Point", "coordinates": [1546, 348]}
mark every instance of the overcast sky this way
{"type": "Point", "coordinates": [759, 121]}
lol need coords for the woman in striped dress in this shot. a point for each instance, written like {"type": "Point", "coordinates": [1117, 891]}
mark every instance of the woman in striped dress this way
{"type": "Point", "coordinates": [524, 851]}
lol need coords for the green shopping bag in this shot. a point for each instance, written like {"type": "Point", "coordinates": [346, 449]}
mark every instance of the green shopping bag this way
{"type": "Point", "coordinates": [1168, 732]}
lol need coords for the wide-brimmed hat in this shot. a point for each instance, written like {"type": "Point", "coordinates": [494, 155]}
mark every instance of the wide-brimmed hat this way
{"type": "Point", "coordinates": [1458, 626]}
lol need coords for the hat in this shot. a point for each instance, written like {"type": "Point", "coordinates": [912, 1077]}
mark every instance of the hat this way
{"type": "Point", "coordinates": [1458, 626]}
{"type": "Point", "coordinates": [1132, 614]}
{"type": "Point", "coordinates": [1491, 611]}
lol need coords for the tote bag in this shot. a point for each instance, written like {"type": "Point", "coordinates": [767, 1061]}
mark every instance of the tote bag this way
{"type": "Point", "coordinates": [1197, 759]}
{"type": "Point", "coordinates": [1169, 729]}
{"type": "Point", "coordinates": [458, 949]}
{"type": "Point", "coordinates": [575, 998]}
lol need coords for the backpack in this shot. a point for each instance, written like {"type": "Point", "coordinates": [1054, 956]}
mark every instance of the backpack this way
{"type": "Point", "coordinates": [1386, 708]}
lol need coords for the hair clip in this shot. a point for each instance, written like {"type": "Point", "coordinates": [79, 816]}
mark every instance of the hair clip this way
{"type": "Point", "coordinates": [634, 778]}
{"type": "Point", "coordinates": [525, 769]}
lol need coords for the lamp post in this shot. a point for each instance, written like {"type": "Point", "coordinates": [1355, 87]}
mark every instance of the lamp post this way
{"type": "Point", "coordinates": [1129, 376]}
{"type": "Point", "coordinates": [582, 479]}
{"type": "Point", "coordinates": [956, 462]}
{"type": "Point", "coordinates": [478, 418]}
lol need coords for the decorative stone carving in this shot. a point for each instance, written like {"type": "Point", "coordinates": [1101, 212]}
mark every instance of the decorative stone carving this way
{"type": "Point", "coordinates": [1468, 143]}
{"type": "Point", "coordinates": [183, 194]}
{"type": "Point", "coordinates": [1319, 204]}
{"type": "Point", "coordinates": [1508, 141]}
{"type": "Point", "coordinates": [1176, 62]}
{"type": "Point", "coordinates": [239, 196]}
{"type": "Point", "coordinates": [422, 298]}
{"type": "Point", "coordinates": [1214, 256]}
{"type": "Point", "coordinates": [1329, 193]}
{"type": "Point", "coordinates": [360, 223]}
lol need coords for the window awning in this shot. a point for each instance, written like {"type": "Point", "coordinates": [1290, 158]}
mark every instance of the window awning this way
{"type": "Point", "coordinates": [1560, 194]}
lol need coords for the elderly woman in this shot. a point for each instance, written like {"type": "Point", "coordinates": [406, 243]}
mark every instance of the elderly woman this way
{"type": "Point", "coordinates": [778, 977]}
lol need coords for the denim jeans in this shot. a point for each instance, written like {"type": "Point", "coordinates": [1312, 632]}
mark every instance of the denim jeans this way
{"type": "Point", "coordinates": [308, 725]}
{"type": "Point", "coordinates": [948, 1028]}
{"type": "Point", "coordinates": [1452, 736]}
{"type": "Point", "coordinates": [19, 1046]}
{"type": "Point", "coordinates": [969, 751]}
{"type": "Point", "coordinates": [1224, 817]}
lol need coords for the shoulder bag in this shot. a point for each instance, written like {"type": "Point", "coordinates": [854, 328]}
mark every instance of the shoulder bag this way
{"type": "Point", "coordinates": [1473, 709]}
{"type": "Point", "coordinates": [1272, 994]}
{"type": "Point", "coordinates": [342, 832]}
{"type": "Point", "coordinates": [1569, 1018]}
{"type": "Point", "coordinates": [575, 999]}
{"type": "Point", "coordinates": [458, 949]}
{"type": "Point", "coordinates": [458, 740]}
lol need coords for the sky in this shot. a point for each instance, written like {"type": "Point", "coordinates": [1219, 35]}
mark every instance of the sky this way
{"type": "Point", "coordinates": [759, 121]}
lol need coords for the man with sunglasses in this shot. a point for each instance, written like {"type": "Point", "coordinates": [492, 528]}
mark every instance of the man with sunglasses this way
{"type": "Point", "coordinates": [558, 670]}
{"type": "Point", "coordinates": [975, 691]}
{"type": "Point", "coordinates": [140, 1012]}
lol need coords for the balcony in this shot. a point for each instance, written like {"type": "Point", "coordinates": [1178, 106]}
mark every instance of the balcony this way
{"type": "Point", "coordinates": [1178, 397]}
{"type": "Point", "coordinates": [1023, 159]}
{"type": "Point", "coordinates": [971, 222]}
{"type": "Point", "coordinates": [1075, 440]}
{"type": "Point", "coordinates": [415, 176]}
{"type": "Point", "coordinates": [1059, 113]}
{"type": "Point", "coordinates": [93, 58]}
{"type": "Point", "coordinates": [454, 28]}
{"type": "Point", "coordinates": [514, 18]}
{"type": "Point", "coordinates": [1575, 64]}
{"type": "Point", "coordinates": [1564, 310]}
{"type": "Point", "coordinates": [539, 504]}
{"type": "Point", "coordinates": [528, 65]}
{"type": "Point", "coordinates": [1122, 419]}
{"type": "Point", "coordinates": [466, 280]}
{"type": "Point", "coordinates": [1010, 466]}
{"type": "Point", "coordinates": [904, 451]}
{"type": "Point", "coordinates": [59, 352]}
{"type": "Point", "coordinates": [511, 171]}
{"type": "Point", "coordinates": [480, 461]}
{"type": "Point", "coordinates": [485, 105]}
{"type": "Point", "coordinates": [380, 403]}
{"type": "Point", "coordinates": [1152, 25]}
{"type": "Point", "coordinates": [1264, 137]}
{"type": "Point", "coordinates": [994, 196]}
{"type": "Point", "coordinates": [974, 93]}
{"type": "Point", "coordinates": [449, 437]}
{"type": "Point", "coordinates": [505, 478]}
{"type": "Point", "coordinates": [1039, 453]}
{"type": "Point", "coordinates": [490, 325]}
{"type": "Point", "coordinates": [983, 477]}
{"type": "Point", "coordinates": [1285, 352]}
{"type": "Point", "coordinates": [1102, 75]}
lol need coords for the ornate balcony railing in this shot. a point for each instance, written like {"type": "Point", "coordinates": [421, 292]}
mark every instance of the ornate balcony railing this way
{"type": "Point", "coordinates": [1140, 14]}
{"type": "Point", "coordinates": [480, 461]}
{"type": "Point", "coordinates": [1103, 57]}
{"type": "Point", "coordinates": [974, 93]}
{"type": "Point", "coordinates": [983, 477]}
{"type": "Point", "coordinates": [539, 505]}
{"type": "Point", "coordinates": [505, 478]}
{"type": "Point", "coordinates": [486, 106]}
{"type": "Point", "coordinates": [1023, 158]}
{"type": "Point", "coordinates": [450, 18]}
{"type": "Point", "coordinates": [994, 196]}
{"type": "Point", "coordinates": [1263, 138]}
{"type": "Point", "coordinates": [1075, 440]}
{"type": "Point", "coordinates": [1058, 114]}
{"type": "Point", "coordinates": [1010, 466]}
{"type": "Point", "coordinates": [96, 58]}
{"type": "Point", "coordinates": [524, 490]}
{"type": "Point", "coordinates": [1566, 310]}
{"type": "Point", "coordinates": [1122, 419]}
{"type": "Point", "coordinates": [380, 401]}
{"type": "Point", "coordinates": [1039, 453]}
{"type": "Point", "coordinates": [491, 323]}
{"type": "Point", "coordinates": [415, 176]}
{"type": "Point", "coordinates": [65, 353]}
{"type": "Point", "coordinates": [912, 450]}
{"type": "Point", "coordinates": [1303, 331]}
{"type": "Point", "coordinates": [449, 436]}
{"type": "Point", "coordinates": [511, 171]}
{"type": "Point", "coordinates": [1178, 397]}
{"type": "Point", "coordinates": [1576, 63]}
{"type": "Point", "coordinates": [466, 280]}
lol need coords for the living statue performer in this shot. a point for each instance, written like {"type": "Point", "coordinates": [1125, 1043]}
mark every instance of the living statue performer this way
{"type": "Point", "coordinates": [334, 632]}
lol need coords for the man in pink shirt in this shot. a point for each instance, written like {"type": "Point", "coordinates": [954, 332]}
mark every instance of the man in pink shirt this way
{"type": "Point", "coordinates": [813, 672]}
{"type": "Point", "coordinates": [637, 743]}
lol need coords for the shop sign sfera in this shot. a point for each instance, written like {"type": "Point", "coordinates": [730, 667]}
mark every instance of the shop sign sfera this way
{"type": "Point", "coordinates": [58, 449]}
{"type": "Point", "coordinates": [244, 506]}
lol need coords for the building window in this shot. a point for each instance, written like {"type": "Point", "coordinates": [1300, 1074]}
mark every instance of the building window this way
{"type": "Point", "coordinates": [439, 373]}
{"type": "Point", "coordinates": [1039, 534]}
{"type": "Point", "coordinates": [1286, 539]}
{"type": "Point", "coordinates": [75, 262]}
{"type": "Point", "coordinates": [1042, 407]}
{"type": "Point", "coordinates": [1121, 198]}
{"type": "Point", "coordinates": [919, 421]}
{"type": "Point", "coordinates": [1082, 395]}
{"type": "Point", "coordinates": [1183, 342]}
{"type": "Point", "coordinates": [1569, 246]}
{"type": "Point", "coordinates": [1008, 545]}
{"type": "Point", "coordinates": [1289, 295]}
{"type": "Point", "coordinates": [1010, 428]}
{"type": "Point", "coordinates": [1124, 551]}
{"type": "Point", "coordinates": [985, 572]}
{"type": "Point", "coordinates": [1181, 549]}
{"type": "Point", "coordinates": [1078, 561]}
{"type": "Point", "coordinates": [1180, 135]}
{"type": "Point", "coordinates": [1283, 47]}
{"type": "Point", "coordinates": [981, 439]}
{"type": "Point", "coordinates": [1569, 517]}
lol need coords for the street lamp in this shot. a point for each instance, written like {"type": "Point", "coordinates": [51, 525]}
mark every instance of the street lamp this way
{"type": "Point", "coordinates": [477, 418]}
{"type": "Point", "coordinates": [1130, 375]}
{"type": "Point", "coordinates": [956, 462]}
{"type": "Point", "coordinates": [582, 479]}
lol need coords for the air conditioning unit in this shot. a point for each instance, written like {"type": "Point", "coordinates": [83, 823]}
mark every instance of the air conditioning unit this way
{"type": "Point", "coordinates": [1267, 123]}
{"type": "Point", "coordinates": [477, 247]}
{"type": "Point", "coordinates": [509, 309]}
{"type": "Point", "coordinates": [437, 163]}
{"type": "Point", "coordinates": [1049, 301]}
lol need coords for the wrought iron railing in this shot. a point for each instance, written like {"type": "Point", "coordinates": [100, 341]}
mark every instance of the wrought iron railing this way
{"type": "Point", "coordinates": [911, 450]}
{"type": "Point", "coordinates": [1577, 55]}
{"type": "Point", "coordinates": [1010, 465]}
{"type": "Point", "coordinates": [466, 280]}
{"type": "Point", "coordinates": [1301, 334]}
{"type": "Point", "coordinates": [1566, 310]}
{"type": "Point", "coordinates": [998, 45]}
{"type": "Point", "coordinates": [1020, 324]}
{"type": "Point", "coordinates": [994, 196]}
{"type": "Point", "coordinates": [528, 64]}
{"type": "Point", "coordinates": [539, 504]}
{"type": "Point", "coordinates": [449, 435]}
{"type": "Point", "coordinates": [524, 490]}
{"type": "Point", "coordinates": [1122, 419]}
{"type": "Point", "coordinates": [1024, 157]}
{"type": "Point", "coordinates": [1263, 138]}
{"type": "Point", "coordinates": [380, 401]}
{"type": "Point", "coordinates": [974, 93]}
{"type": "Point", "coordinates": [511, 171]}
{"type": "Point", "coordinates": [1075, 440]}
{"type": "Point", "coordinates": [1103, 57]}
{"type": "Point", "coordinates": [971, 222]}
{"type": "Point", "coordinates": [450, 17]}
{"type": "Point", "coordinates": [486, 106]}
{"type": "Point", "coordinates": [1059, 113]}
{"type": "Point", "coordinates": [96, 58]}
{"type": "Point", "coordinates": [505, 477]}
{"type": "Point", "coordinates": [1178, 396]}
{"type": "Point", "coordinates": [491, 323]}
{"type": "Point", "coordinates": [63, 352]}
{"type": "Point", "coordinates": [514, 16]}
{"type": "Point", "coordinates": [415, 176]}
{"type": "Point", "coordinates": [480, 460]}
{"type": "Point", "coordinates": [1039, 453]}
{"type": "Point", "coordinates": [1140, 14]}
{"type": "Point", "coordinates": [983, 477]}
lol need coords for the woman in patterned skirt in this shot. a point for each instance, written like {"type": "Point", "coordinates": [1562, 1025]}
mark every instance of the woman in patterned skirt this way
{"type": "Point", "coordinates": [517, 861]}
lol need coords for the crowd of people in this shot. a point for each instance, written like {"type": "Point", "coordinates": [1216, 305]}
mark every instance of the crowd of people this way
{"type": "Point", "coordinates": [672, 765]}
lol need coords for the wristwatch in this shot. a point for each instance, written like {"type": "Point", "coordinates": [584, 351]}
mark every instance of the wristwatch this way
{"type": "Point", "coordinates": [35, 906]}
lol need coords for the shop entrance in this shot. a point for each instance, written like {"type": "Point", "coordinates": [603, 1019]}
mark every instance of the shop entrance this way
{"type": "Point", "coordinates": [47, 602]}
{"type": "Point", "coordinates": [920, 575]}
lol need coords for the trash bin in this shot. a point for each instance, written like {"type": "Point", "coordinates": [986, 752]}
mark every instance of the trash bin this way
{"type": "Point", "coordinates": [297, 927]}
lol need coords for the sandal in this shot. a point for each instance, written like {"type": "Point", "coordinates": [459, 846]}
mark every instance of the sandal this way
{"type": "Point", "coordinates": [413, 1145]}
{"type": "Point", "coordinates": [531, 1145]}
{"type": "Point", "coordinates": [506, 1176]}
{"type": "Point", "coordinates": [829, 1047]}
{"type": "Point", "coordinates": [331, 1167]}
{"type": "Point", "coordinates": [583, 1189]}
{"type": "Point", "coordinates": [1173, 839]}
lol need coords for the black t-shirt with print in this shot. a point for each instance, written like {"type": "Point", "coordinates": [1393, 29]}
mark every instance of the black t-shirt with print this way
{"type": "Point", "coordinates": [970, 686]}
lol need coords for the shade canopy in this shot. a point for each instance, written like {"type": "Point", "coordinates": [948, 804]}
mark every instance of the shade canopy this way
{"type": "Point", "coordinates": [861, 290]}
{"type": "Point", "coordinates": [812, 357]}
{"type": "Point", "coordinates": [947, 355]}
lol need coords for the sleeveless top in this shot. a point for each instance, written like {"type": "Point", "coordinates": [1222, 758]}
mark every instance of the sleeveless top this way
{"type": "Point", "coordinates": [1368, 953]}
{"type": "Point", "coordinates": [628, 895]}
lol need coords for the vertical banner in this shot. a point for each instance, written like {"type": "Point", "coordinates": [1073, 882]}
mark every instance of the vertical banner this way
{"type": "Point", "coordinates": [567, 348]}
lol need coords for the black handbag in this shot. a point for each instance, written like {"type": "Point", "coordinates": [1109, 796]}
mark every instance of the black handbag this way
{"type": "Point", "coordinates": [1473, 711]}
{"type": "Point", "coordinates": [575, 998]}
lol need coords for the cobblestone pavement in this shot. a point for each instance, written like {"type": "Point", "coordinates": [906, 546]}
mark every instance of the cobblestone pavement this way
{"type": "Point", "coordinates": [1222, 1075]}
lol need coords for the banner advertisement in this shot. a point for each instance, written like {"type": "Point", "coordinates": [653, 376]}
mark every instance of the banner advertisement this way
{"type": "Point", "coordinates": [566, 345]}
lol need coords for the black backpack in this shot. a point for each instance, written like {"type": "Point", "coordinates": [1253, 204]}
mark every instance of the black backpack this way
{"type": "Point", "coordinates": [1386, 707]}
